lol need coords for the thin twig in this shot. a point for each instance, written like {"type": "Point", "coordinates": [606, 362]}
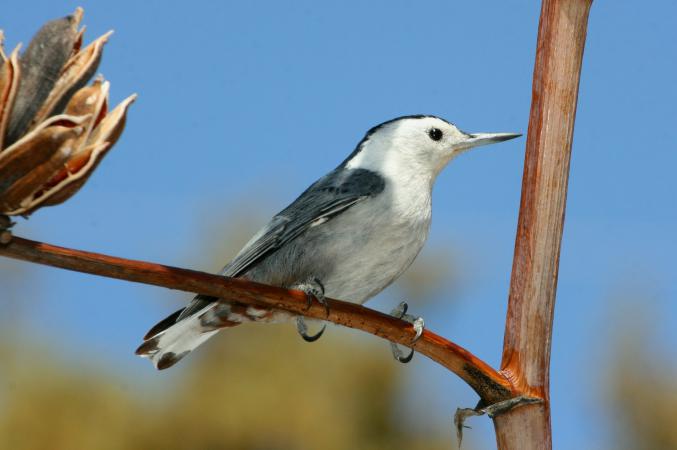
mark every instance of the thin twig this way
{"type": "Point", "coordinates": [490, 385]}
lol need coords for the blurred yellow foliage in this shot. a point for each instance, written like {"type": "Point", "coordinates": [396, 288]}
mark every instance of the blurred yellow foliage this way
{"type": "Point", "coordinates": [255, 387]}
{"type": "Point", "coordinates": [640, 385]}
{"type": "Point", "coordinates": [252, 390]}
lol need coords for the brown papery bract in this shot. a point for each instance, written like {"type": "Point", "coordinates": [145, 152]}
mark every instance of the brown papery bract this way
{"type": "Point", "coordinates": [43, 165]}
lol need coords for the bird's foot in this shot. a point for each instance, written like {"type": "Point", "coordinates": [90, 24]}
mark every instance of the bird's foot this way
{"type": "Point", "coordinates": [492, 411]}
{"type": "Point", "coordinates": [314, 289]}
{"type": "Point", "coordinates": [417, 322]}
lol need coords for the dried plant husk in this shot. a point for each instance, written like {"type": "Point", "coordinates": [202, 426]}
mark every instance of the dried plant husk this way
{"type": "Point", "coordinates": [76, 72]}
{"type": "Point", "coordinates": [54, 128]}
{"type": "Point", "coordinates": [37, 147]}
{"type": "Point", "coordinates": [86, 156]}
{"type": "Point", "coordinates": [17, 194]}
{"type": "Point", "coordinates": [41, 66]}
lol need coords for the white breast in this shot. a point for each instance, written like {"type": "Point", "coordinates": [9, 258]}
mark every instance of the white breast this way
{"type": "Point", "coordinates": [374, 242]}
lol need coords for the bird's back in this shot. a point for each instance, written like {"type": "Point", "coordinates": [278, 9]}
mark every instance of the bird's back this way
{"type": "Point", "coordinates": [355, 254]}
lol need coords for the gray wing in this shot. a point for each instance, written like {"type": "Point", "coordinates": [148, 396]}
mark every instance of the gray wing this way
{"type": "Point", "coordinates": [326, 198]}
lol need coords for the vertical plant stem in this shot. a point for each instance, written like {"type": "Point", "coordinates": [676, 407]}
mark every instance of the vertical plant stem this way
{"type": "Point", "coordinates": [528, 333]}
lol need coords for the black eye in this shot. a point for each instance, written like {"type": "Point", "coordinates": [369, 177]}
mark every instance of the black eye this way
{"type": "Point", "coordinates": [435, 134]}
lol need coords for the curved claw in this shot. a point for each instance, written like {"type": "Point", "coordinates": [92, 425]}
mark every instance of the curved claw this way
{"type": "Point", "coordinates": [400, 310]}
{"type": "Point", "coordinates": [303, 330]}
{"type": "Point", "coordinates": [418, 325]}
{"type": "Point", "coordinates": [407, 358]}
{"type": "Point", "coordinates": [399, 356]}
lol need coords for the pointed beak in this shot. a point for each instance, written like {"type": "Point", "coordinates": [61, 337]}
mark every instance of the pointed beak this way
{"type": "Point", "coordinates": [478, 139]}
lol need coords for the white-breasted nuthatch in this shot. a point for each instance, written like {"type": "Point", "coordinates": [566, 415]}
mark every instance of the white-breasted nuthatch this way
{"type": "Point", "coordinates": [348, 236]}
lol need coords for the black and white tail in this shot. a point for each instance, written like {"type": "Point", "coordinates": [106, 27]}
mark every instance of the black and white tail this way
{"type": "Point", "coordinates": [166, 343]}
{"type": "Point", "coordinates": [180, 333]}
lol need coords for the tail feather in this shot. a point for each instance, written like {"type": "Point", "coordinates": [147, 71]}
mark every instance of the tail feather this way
{"type": "Point", "coordinates": [165, 344]}
{"type": "Point", "coordinates": [177, 335]}
{"type": "Point", "coordinates": [163, 325]}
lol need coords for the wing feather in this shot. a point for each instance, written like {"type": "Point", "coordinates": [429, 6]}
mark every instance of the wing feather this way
{"type": "Point", "coordinates": [331, 195]}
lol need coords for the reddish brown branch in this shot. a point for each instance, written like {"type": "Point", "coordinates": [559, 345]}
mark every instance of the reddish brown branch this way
{"type": "Point", "coordinates": [528, 333]}
{"type": "Point", "coordinates": [490, 385]}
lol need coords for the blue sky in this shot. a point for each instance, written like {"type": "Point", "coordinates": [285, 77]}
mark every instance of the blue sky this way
{"type": "Point", "coordinates": [242, 105]}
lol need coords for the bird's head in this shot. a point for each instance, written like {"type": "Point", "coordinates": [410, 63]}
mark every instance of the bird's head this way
{"type": "Point", "coordinates": [420, 145]}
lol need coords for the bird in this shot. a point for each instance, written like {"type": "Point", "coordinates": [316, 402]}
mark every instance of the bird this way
{"type": "Point", "coordinates": [348, 236]}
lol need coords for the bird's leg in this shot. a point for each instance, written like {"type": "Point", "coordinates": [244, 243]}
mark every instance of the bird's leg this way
{"type": "Point", "coordinates": [314, 289]}
{"type": "Point", "coordinates": [417, 322]}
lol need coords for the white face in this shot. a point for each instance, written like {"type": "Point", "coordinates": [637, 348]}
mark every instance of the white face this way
{"type": "Point", "coordinates": [421, 144]}
{"type": "Point", "coordinates": [429, 140]}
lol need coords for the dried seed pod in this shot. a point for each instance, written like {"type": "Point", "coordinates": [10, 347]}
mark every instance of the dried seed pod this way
{"type": "Point", "coordinates": [36, 148]}
{"type": "Point", "coordinates": [101, 140]}
{"type": "Point", "coordinates": [111, 126]}
{"type": "Point", "coordinates": [18, 195]}
{"type": "Point", "coordinates": [67, 182]}
{"type": "Point", "coordinates": [41, 66]}
{"type": "Point", "coordinates": [76, 73]}
{"type": "Point", "coordinates": [45, 158]}
{"type": "Point", "coordinates": [91, 101]}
